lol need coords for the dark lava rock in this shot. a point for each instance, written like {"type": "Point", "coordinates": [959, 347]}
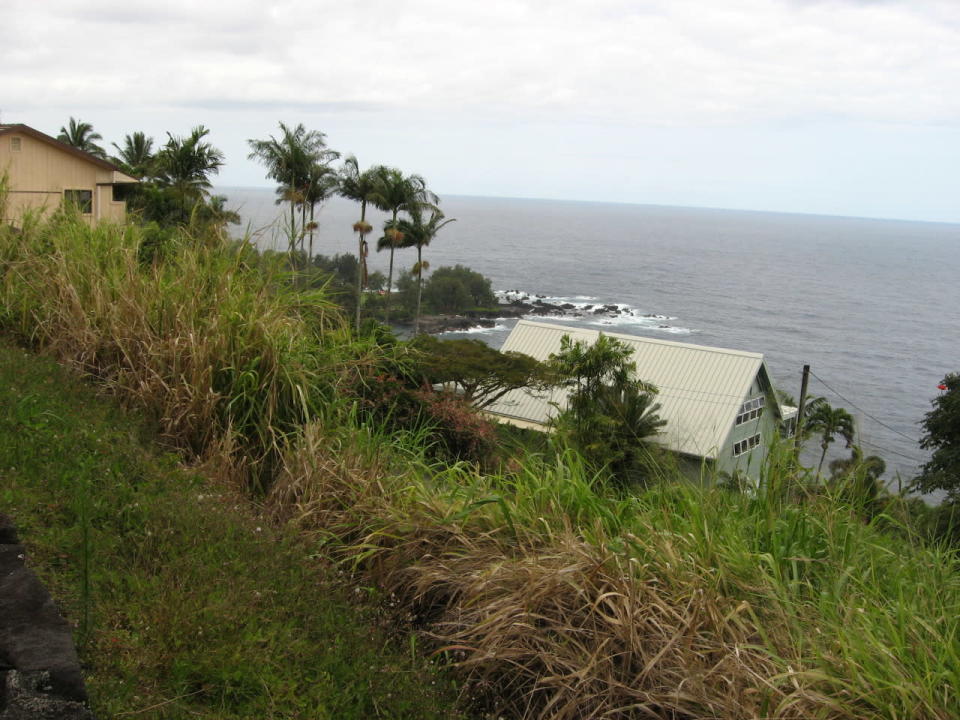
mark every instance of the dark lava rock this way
{"type": "Point", "coordinates": [432, 324]}
{"type": "Point", "coordinates": [30, 696]}
{"type": "Point", "coordinates": [8, 533]}
{"type": "Point", "coordinates": [39, 671]}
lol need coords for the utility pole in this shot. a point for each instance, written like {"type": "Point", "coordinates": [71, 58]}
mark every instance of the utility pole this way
{"type": "Point", "coordinates": [803, 401]}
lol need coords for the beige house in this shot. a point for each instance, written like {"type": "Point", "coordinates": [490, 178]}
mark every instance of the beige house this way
{"type": "Point", "coordinates": [42, 173]}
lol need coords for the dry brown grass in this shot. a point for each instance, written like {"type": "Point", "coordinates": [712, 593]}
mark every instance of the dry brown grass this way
{"type": "Point", "coordinates": [546, 623]}
{"type": "Point", "coordinates": [211, 345]}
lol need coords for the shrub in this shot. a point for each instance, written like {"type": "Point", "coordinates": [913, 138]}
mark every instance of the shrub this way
{"type": "Point", "coordinates": [458, 288]}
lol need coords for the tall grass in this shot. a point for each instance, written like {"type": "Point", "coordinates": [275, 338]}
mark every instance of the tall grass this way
{"type": "Point", "coordinates": [555, 597]}
{"type": "Point", "coordinates": [676, 602]}
{"type": "Point", "coordinates": [219, 348]}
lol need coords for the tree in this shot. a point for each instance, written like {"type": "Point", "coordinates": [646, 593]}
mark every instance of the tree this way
{"type": "Point", "coordinates": [292, 161]}
{"type": "Point", "coordinates": [136, 156]}
{"type": "Point", "coordinates": [941, 434]}
{"type": "Point", "coordinates": [827, 422]}
{"type": "Point", "coordinates": [360, 187]}
{"type": "Point", "coordinates": [397, 192]}
{"type": "Point", "coordinates": [609, 415]}
{"type": "Point", "coordinates": [458, 288]}
{"type": "Point", "coordinates": [216, 212]}
{"type": "Point", "coordinates": [82, 136]}
{"type": "Point", "coordinates": [482, 374]}
{"type": "Point", "coordinates": [419, 233]}
{"type": "Point", "coordinates": [185, 165]}
{"type": "Point", "coordinates": [322, 182]}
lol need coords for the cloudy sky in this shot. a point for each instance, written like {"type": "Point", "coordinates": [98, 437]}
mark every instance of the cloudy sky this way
{"type": "Point", "coordinates": [847, 107]}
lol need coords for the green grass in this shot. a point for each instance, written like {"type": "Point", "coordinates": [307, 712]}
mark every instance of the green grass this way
{"type": "Point", "coordinates": [559, 597]}
{"type": "Point", "coordinates": [182, 599]}
{"type": "Point", "coordinates": [782, 603]}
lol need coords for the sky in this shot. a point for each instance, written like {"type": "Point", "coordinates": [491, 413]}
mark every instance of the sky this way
{"type": "Point", "coordinates": [840, 107]}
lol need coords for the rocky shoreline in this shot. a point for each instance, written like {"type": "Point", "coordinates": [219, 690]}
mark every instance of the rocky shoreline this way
{"type": "Point", "coordinates": [520, 305]}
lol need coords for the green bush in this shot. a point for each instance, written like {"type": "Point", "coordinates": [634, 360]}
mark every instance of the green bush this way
{"type": "Point", "coordinates": [458, 288]}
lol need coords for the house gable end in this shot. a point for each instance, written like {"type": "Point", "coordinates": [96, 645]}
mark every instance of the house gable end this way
{"type": "Point", "coordinates": [60, 145]}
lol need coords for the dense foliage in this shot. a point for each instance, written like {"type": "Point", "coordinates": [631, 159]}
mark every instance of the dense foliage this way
{"type": "Point", "coordinates": [458, 288]}
{"type": "Point", "coordinates": [942, 435]}
{"type": "Point", "coordinates": [610, 414]}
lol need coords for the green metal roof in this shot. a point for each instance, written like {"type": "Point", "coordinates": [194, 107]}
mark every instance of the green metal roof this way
{"type": "Point", "coordinates": [701, 388]}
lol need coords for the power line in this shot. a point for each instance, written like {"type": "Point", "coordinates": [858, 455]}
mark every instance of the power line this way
{"type": "Point", "coordinates": [876, 420]}
{"type": "Point", "coordinates": [891, 452]}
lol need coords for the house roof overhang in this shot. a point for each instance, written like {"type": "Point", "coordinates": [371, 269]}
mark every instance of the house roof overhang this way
{"type": "Point", "coordinates": [119, 176]}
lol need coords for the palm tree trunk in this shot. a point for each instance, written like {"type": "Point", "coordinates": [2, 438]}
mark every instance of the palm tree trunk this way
{"type": "Point", "coordinates": [822, 456]}
{"type": "Point", "coordinates": [363, 219]}
{"type": "Point", "coordinates": [416, 320]}
{"type": "Point", "coordinates": [293, 231]}
{"type": "Point", "coordinates": [310, 255]}
{"type": "Point", "coordinates": [386, 311]}
{"type": "Point", "coordinates": [303, 224]}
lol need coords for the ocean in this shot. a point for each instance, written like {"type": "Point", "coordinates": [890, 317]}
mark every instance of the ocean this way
{"type": "Point", "coordinates": [873, 306]}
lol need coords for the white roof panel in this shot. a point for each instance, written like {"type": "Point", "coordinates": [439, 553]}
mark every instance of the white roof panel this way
{"type": "Point", "coordinates": [701, 388]}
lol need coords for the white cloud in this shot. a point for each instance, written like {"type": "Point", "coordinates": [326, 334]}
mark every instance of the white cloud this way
{"type": "Point", "coordinates": [422, 82]}
{"type": "Point", "coordinates": [668, 62]}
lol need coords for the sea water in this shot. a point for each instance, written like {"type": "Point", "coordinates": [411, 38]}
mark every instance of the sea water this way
{"type": "Point", "coordinates": [873, 306]}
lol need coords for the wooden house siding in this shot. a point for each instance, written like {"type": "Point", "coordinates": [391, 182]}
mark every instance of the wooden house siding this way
{"type": "Point", "coordinates": [38, 173]}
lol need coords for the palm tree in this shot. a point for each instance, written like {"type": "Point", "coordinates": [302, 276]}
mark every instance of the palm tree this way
{"type": "Point", "coordinates": [626, 418]}
{"type": "Point", "coordinates": [828, 422]}
{"type": "Point", "coordinates": [361, 187]}
{"type": "Point", "coordinates": [322, 182]}
{"type": "Point", "coordinates": [82, 136]}
{"type": "Point", "coordinates": [418, 234]}
{"type": "Point", "coordinates": [136, 156]}
{"type": "Point", "coordinates": [857, 475]}
{"type": "Point", "coordinates": [291, 160]}
{"type": "Point", "coordinates": [185, 165]}
{"type": "Point", "coordinates": [398, 192]}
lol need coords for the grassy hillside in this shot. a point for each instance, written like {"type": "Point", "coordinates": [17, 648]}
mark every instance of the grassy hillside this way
{"type": "Point", "coordinates": [556, 596]}
{"type": "Point", "coordinates": [185, 603]}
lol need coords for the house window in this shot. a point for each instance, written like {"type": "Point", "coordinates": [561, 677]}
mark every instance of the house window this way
{"type": "Point", "coordinates": [15, 144]}
{"type": "Point", "coordinates": [789, 427]}
{"type": "Point", "coordinates": [80, 199]}
{"type": "Point", "coordinates": [750, 410]}
{"type": "Point", "coordinates": [746, 445]}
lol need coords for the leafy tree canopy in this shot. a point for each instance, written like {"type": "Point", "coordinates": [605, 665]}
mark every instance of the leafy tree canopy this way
{"type": "Point", "coordinates": [482, 373]}
{"type": "Point", "coordinates": [458, 288]}
{"type": "Point", "coordinates": [942, 435]}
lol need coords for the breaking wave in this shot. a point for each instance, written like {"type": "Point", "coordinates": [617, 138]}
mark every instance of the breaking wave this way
{"type": "Point", "coordinates": [588, 310]}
